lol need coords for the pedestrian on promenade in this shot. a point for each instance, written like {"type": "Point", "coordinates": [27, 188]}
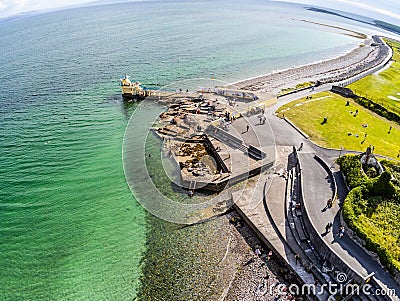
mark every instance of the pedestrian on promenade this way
{"type": "Point", "coordinates": [328, 227]}
{"type": "Point", "coordinates": [328, 205]}
{"type": "Point", "coordinates": [301, 146]}
{"type": "Point", "coordinates": [297, 257]}
{"type": "Point", "coordinates": [341, 231]}
{"type": "Point", "coordinates": [247, 128]}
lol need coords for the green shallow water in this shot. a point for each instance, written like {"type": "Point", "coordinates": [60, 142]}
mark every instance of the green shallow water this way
{"type": "Point", "coordinates": [69, 227]}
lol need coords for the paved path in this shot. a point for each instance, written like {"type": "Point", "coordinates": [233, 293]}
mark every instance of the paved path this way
{"type": "Point", "coordinates": [346, 248]}
{"type": "Point", "coordinates": [262, 206]}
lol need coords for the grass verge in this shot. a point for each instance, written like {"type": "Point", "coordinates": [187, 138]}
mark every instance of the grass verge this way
{"type": "Point", "coordinates": [344, 127]}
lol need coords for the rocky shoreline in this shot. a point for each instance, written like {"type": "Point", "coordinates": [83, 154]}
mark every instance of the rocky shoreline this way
{"type": "Point", "coordinates": [260, 275]}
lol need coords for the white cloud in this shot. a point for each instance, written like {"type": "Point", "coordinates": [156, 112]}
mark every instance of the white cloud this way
{"type": "Point", "coordinates": [2, 6]}
{"type": "Point", "coordinates": [11, 7]}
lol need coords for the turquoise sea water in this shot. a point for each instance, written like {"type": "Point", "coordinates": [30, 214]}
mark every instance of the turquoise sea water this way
{"type": "Point", "coordinates": [69, 227]}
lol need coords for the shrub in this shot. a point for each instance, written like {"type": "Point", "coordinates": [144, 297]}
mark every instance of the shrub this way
{"type": "Point", "coordinates": [370, 171]}
{"type": "Point", "coordinates": [370, 211]}
{"type": "Point", "coordinates": [378, 109]}
{"type": "Point", "coordinates": [383, 186]}
{"type": "Point", "coordinates": [354, 197]}
{"type": "Point", "coordinates": [351, 167]}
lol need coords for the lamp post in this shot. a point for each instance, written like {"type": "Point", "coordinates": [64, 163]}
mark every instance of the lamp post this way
{"type": "Point", "coordinates": [341, 149]}
{"type": "Point", "coordinates": [340, 153]}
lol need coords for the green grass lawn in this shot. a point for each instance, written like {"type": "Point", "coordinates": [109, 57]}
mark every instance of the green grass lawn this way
{"type": "Point", "coordinates": [383, 88]}
{"type": "Point", "coordinates": [298, 87]}
{"type": "Point", "coordinates": [342, 128]}
{"type": "Point", "coordinates": [396, 49]}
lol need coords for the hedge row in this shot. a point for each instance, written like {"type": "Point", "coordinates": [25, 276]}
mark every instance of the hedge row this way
{"type": "Point", "coordinates": [378, 109]}
{"type": "Point", "coordinates": [351, 209]}
{"type": "Point", "coordinates": [351, 167]}
{"type": "Point", "coordinates": [365, 194]}
{"type": "Point", "coordinates": [382, 185]}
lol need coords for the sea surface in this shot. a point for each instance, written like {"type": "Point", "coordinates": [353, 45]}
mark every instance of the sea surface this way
{"type": "Point", "coordinates": [70, 228]}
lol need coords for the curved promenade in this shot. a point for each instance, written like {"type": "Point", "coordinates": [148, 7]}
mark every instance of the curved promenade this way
{"type": "Point", "coordinates": [342, 252]}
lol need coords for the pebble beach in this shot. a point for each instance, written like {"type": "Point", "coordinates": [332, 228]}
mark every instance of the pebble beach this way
{"type": "Point", "coordinates": [342, 67]}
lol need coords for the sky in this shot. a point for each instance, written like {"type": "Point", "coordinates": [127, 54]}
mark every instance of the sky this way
{"type": "Point", "coordinates": [12, 7]}
{"type": "Point", "coordinates": [385, 10]}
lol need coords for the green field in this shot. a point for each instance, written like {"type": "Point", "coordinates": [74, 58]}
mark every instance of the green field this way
{"type": "Point", "coordinates": [344, 127]}
{"type": "Point", "coordinates": [383, 88]}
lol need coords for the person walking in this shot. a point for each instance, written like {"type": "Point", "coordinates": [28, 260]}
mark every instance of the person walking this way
{"type": "Point", "coordinates": [328, 227]}
{"type": "Point", "coordinates": [328, 205]}
{"type": "Point", "coordinates": [341, 232]}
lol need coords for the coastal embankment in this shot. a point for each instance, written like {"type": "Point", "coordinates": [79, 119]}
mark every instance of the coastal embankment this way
{"type": "Point", "coordinates": [364, 57]}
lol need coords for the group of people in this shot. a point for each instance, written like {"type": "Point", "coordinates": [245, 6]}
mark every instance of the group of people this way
{"type": "Point", "coordinates": [329, 226]}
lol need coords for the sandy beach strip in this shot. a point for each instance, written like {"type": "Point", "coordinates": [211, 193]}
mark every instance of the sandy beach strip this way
{"type": "Point", "coordinates": [356, 61]}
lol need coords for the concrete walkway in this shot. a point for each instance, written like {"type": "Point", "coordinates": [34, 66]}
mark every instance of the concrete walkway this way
{"type": "Point", "coordinates": [317, 189]}
{"type": "Point", "coordinates": [263, 208]}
